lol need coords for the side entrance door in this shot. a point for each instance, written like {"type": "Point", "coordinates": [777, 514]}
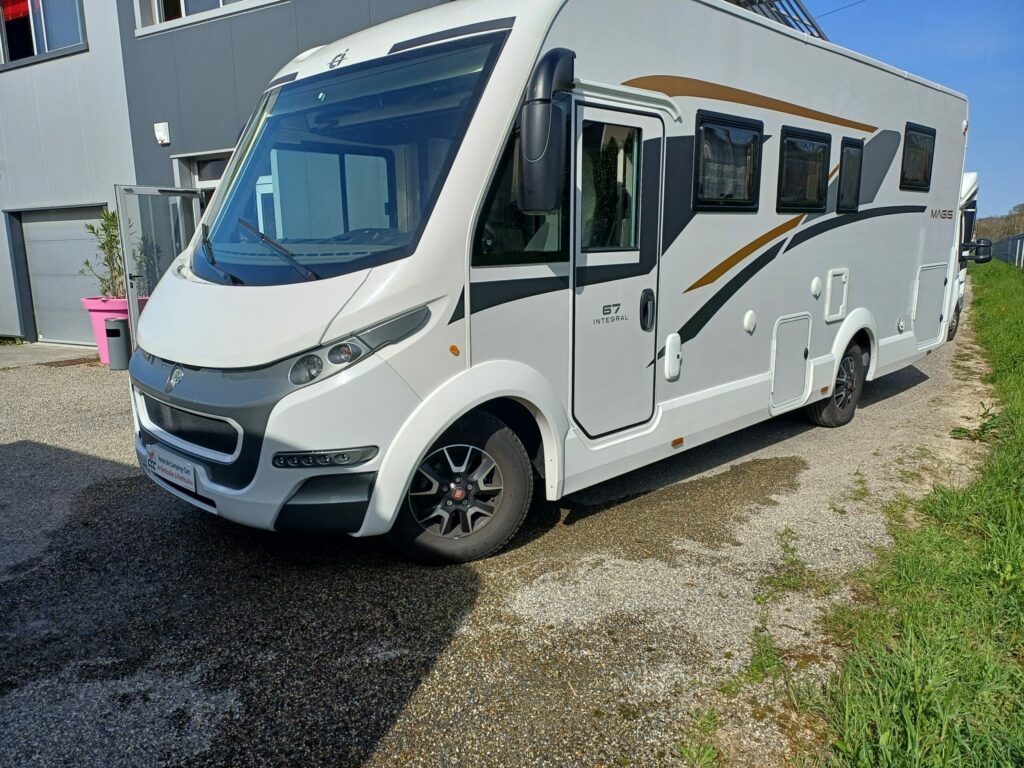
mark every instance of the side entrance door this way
{"type": "Point", "coordinates": [615, 275]}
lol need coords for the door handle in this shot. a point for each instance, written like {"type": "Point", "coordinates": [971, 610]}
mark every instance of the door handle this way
{"type": "Point", "coordinates": [647, 313]}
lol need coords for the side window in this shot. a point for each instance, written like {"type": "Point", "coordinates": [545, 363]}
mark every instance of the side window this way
{"type": "Point", "coordinates": [609, 177]}
{"type": "Point", "coordinates": [728, 163]}
{"type": "Point", "coordinates": [851, 157]}
{"type": "Point", "coordinates": [505, 235]}
{"type": "Point", "coordinates": [918, 153]}
{"type": "Point", "coordinates": [803, 171]}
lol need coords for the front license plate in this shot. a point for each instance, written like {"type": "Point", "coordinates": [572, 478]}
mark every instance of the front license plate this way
{"type": "Point", "coordinates": [171, 468]}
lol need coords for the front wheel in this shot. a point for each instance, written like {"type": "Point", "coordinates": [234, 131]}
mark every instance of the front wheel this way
{"type": "Point", "coordinates": [469, 495]}
{"type": "Point", "coordinates": [839, 409]}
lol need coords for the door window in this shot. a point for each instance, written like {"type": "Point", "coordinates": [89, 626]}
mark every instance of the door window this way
{"type": "Point", "coordinates": [609, 181]}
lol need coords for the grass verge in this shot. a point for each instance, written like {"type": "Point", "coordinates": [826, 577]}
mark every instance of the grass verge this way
{"type": "Point", "coordinates": [933, 669]}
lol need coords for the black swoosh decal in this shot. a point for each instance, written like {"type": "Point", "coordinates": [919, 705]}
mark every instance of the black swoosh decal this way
{"type": "Point", "coordinates": [703, 315]}
{"type": "Point", "coordinates": [805, 234]}
{"type": "Point", "coordinates": [492, 294]}
{"type": "Point", "coordinates": [460, 308]}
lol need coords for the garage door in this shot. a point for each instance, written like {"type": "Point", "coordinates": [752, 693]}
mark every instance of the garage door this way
{"type": "Point", "coordinates": [56, 245]}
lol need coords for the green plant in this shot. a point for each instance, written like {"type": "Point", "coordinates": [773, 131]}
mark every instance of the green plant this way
{"type": "Point", "coordinates": [108, 268]}
{"type": "Point", "coordinates": [933, 672]}
{"type": "Point", "coordinates": [793, 574]}
{"type": "Point", "coordinates": [696, 748]}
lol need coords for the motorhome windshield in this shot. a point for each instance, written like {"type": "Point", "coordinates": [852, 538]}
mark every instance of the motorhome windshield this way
{"type": "Point", "coordinates": [340, 172]}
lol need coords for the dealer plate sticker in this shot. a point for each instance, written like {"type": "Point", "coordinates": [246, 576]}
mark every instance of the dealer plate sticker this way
{"type": "Point", "coordinates": [171, 468]}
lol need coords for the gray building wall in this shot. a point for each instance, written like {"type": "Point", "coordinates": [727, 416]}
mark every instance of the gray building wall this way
{"type": "Point", "coordinates": [64, 136]}
{"type": "Point", "coordinates": [205, 79]}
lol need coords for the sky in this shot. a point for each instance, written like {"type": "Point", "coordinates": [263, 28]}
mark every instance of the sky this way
{"type": "Point", "coordinates": [972, 46]}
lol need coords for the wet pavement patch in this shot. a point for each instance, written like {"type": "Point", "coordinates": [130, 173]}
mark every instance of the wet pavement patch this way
{"type": "Point", "coordinates": [705, 509]}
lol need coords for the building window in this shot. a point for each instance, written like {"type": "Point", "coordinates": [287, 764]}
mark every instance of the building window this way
{"type": "Point", "coordinates": [32, 28]}
{"type": "Point", "coordinates": [803, 171]}
{"type": "Point", "coordinates": [918, 153]}
{"type": "Point", "coordinates": [506, 236]}
{"type": "Point", "coordinates": [728, 163]}
{"type": "Point", "coordinates": [202, 172]}
{"type": "Point", "coordinates": [851, 157]}
{"type": "Point", "coordinates": [159, 11]}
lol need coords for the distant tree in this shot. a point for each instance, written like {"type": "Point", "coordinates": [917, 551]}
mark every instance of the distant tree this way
{"type": "Point", "coordinates": [997, 228]}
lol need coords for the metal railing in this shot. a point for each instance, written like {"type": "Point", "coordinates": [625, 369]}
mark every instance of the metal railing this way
{"type": "Point", "coordinates": [1010, 250]}
{"type": "Point", "coordinates": [792, 13]}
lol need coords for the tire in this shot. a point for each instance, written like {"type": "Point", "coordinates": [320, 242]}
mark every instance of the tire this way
{"type": "Point", "coordinates": [469, 495]}
{"type": "Point", "coordinates": [839, 409]}
{"type": "Point", "coordinates": [954, 323]}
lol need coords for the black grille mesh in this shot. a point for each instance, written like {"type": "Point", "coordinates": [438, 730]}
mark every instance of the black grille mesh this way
{"type": "Point", "coordinates": [211, 434]}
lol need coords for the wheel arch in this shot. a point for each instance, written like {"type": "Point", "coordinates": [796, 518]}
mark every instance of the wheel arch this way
{"type": "Point", "coordinates": [858, 326]}
{"type": "Point", "coordinates": [496, 387]}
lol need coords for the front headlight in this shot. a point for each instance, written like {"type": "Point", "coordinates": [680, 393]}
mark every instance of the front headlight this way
{"type": "Point", "coordinates": [340, 354]}
{"type": "Point", "coordinates": [305, 369]}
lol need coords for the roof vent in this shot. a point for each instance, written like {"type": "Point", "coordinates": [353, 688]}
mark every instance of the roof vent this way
{"type": "Point", "coordinates": [791, 13]}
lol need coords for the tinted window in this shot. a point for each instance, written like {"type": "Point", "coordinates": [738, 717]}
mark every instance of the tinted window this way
{"type": "Point", "coordinates": [343, 168]}
{"type": "Point", "coordinates": [728, 163]}
{"type": "Point", "coordinates": [803, 171]}
{"type": "Point", "coordinates": [851, 159]}
{"type": "Point", "coordinates": [609, 177]}
{"type": "Point", "coordinates": [506, 235]}
{"type": "Point", "coordinates": [918, 152]}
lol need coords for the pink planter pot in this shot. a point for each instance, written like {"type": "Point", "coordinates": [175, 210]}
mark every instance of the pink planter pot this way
{"type": "Point", "coordinates": [100, 310]}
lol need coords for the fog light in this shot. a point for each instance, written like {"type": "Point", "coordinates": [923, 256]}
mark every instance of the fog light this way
{"type": "Point", "coordinates": [307, 459]}
{"type": "Point", "coordinates": [306, 369]}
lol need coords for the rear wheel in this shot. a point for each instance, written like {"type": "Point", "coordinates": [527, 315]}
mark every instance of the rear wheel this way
{"type": "Point", "coordinates": [839, 409]}
{"type": "Point", "coordinates": [954, 323]}
{"type": "Point", "coordinates": [470, 494]}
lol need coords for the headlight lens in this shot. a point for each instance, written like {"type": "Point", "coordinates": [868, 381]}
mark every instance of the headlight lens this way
{"type": "Point", "coordinates": [344, 353]}
{"type": "Point", "coordinates": [338, 355]}
{"type": "Point", "coordinates": [306, 368]}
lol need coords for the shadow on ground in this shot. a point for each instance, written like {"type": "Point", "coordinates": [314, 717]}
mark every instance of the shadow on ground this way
{"type": "Point", "coordinates": [150, 633]}
{"type": "Point", "coordinates": [658, 477]}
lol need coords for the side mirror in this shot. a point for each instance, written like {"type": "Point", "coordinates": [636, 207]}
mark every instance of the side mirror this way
{"type": "Point", "coordinates": [980, 251]}
{"type": "Point", "coordinates": [542, 139]}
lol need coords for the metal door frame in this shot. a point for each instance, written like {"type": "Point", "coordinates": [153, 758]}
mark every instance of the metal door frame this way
{"type": "Point", "coordinates": [121, 193]}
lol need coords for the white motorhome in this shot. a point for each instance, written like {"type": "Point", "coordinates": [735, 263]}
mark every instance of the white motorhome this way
{"type": "Point", "coordinates": [551, 239]}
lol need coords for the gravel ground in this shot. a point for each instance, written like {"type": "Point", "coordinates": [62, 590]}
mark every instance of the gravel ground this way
{"type": "Point", "coordinates": [138, 631]}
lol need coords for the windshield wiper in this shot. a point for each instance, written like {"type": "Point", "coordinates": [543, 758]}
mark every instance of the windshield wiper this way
{"type": "Point", "coordinates": [208, 252]}
{"type": "Point", "coordinates": [287, 255]}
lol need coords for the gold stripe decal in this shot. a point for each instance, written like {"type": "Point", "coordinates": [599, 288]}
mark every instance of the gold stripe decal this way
{"type": "Point", "coordinates": [673, 86]}
{"type": "Point", "coordinates": [745, 251]}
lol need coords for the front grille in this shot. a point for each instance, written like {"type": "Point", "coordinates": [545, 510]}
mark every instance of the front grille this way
{"type": "Point", "coordinates": [201, 431]}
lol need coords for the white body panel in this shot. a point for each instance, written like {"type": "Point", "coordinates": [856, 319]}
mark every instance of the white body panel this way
{"type": "Point", "coordinates": [753, 309]}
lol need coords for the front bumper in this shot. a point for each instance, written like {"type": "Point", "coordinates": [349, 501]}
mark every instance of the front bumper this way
{"type": "Point", "coordinates": [365, 405]}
